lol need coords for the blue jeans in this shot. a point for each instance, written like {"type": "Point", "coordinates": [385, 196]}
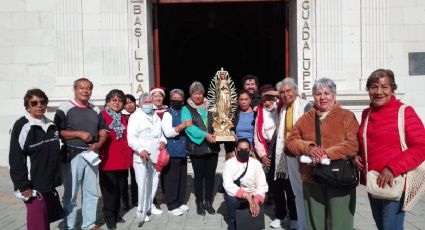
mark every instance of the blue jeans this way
{"type": "Point", "coordinates": [75, 174]}
{"type": "Point", "coordinates": [387, 213]}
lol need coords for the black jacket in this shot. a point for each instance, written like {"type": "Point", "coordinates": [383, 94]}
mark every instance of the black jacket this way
{"type": "Point", "coordinates": [33, 149]}
{"type": "Point", "coordinates": [205, 147]}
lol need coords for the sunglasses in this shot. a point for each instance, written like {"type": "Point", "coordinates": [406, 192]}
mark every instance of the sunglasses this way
{"type": "Point", "coordinates": [38, 102]}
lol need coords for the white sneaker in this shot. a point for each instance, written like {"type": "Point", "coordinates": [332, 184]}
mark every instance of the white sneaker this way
{"type": "Point", "coordinates": [184, 208]}
{"type": "Point", "coordinates": [147, 219]}
{"type": "Point", "coordinates": [156, 211]}
{"type": "Point", "coordinates": [176, 212]}
{"type": "Point", "coordinates": [276, 223]}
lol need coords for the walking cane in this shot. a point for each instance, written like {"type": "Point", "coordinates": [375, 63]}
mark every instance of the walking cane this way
{"type": "Point", "coordinates": [143, 194]}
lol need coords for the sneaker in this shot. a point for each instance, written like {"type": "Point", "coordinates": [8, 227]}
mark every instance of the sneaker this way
{"type": "Point", "coordinates": [156, 211]}
{"type": "Point", "coordinates": [276, 223]}
{"type": "Point", "coordinates": [147, 219]}
{"type": "Point", "coordinates": [184, 208]}
{"type": "Point", "coordinates": [176, 212]}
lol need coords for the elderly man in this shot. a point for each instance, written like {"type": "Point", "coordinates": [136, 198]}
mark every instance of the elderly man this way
{"type": "Point", "coordinates": [293, 107]}
{"type": "Point", "coordinates": [79, 126]}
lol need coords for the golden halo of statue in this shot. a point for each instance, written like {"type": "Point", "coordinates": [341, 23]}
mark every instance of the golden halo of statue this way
{"type": "Point", "coordinates": [222, 100]}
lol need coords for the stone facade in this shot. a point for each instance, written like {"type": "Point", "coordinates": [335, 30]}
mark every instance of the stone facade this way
{"type": "Point", "coordinates": [50, 43]}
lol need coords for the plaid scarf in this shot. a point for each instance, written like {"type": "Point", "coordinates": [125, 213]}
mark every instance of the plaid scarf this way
{"type": "Point", "coordinates": [116, 122]}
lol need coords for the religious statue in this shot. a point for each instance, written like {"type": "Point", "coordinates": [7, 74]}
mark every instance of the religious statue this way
{"type": "Point", "coordinates": [222, 103]}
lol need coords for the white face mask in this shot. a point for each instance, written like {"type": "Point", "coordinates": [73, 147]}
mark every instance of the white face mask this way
{"type": "Point", "coordinates": [148, 109]}
{"type": "Point", "coordinates": [271, 108]}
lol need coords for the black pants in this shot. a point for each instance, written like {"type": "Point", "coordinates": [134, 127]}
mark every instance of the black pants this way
{"type": "Point", "coordinates": [283, 196]}
{"type": "Point", "coordinates": [175, 182]}
{"type": "Point", "coordinates": [204, 172]}
{"type": "Point", "coordinates": [233, 204]}
{"type": "Point", "coordinates": [110, 184]}
{"type": "Point", "coordinates": [133, 187]}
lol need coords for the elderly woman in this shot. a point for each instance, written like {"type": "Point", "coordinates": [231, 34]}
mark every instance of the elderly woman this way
{"type": "Point", "coordinates": [146, 138]}
{"type": "Point", "coordinates": [384, 153]}
{"type": "Point", "coordinates": [338, 129]}
{"type": "Point", "coordinates": [158, 96]}
{"type": "Point", "coordinates": [116, 157]}
{"type": "Point", "coordinates": [203, 150]}
{"type": "Point", "coordinates": [252, 185]}
{"type": "Point", "coordinates": [176, 172]}
{"type": "Point", "coordinates": [265, 144]}
{"type": "Point", "coordinates": [34, 138]}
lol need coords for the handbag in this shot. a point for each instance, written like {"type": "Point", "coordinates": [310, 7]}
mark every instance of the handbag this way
{"type": "Point", "coordinates": [220, 187]}
{"type": "Point", "coordinates": [245, 221]}
{"type": "Point", "coordinates": [387, 193]}
{"type": "Point", "coordinates": [55, 209]}
{"type": "Point", "coordinates": [415, 179]}
{"type": "Point", "coordinates": [163, 159]}
{"type": "Point", "coordinates": [339, 173]}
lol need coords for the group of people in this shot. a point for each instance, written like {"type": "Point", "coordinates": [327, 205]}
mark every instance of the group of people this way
{"type": "Point", "coordinates": [273, 127]}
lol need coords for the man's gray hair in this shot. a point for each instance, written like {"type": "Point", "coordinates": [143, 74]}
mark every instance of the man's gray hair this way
{"type": "Point", "coordinates": [196, 86]}
{"type": "Point", "coordinates": [324, 82]}
{"type": "Point", "coordinates": [143, 97]}
{"type": "Point", "coordinates": [177, 91]}
{"type": "Point", "coordinates": [289, 82]}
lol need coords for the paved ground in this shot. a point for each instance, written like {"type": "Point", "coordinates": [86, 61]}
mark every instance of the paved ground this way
{"type": "Point", "coordinates": [12, 212]}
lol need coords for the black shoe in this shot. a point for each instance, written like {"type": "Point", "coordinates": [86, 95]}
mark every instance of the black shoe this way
{"type": "Point", "coordinates": [200, 209]}
{"type": "Point", "coordinates": [208, 206]}
{"type": "Point", "coordinates": [111, 226]}
{"type": "Point", "coordinates": [120, 220]}
{"type": "Point", "coordinates": [125, 206]}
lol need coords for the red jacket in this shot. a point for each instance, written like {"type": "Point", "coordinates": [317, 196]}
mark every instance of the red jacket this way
{"type": "Point", "coordinates": [115, 154]}
{"type": "Point", "coordinates": [383, 141]}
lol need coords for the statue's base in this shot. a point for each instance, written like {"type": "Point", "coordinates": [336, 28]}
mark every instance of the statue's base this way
{"type": "Point", "coordinates": [225, 138]}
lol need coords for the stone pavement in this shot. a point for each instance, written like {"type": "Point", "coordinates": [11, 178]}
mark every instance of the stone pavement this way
{"type": "Point", "coordinates": [13, 212]}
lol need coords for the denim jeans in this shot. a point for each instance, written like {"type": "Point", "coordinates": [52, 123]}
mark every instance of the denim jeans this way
{"type": "Point", "coordinates": [387, 213]}
{"type": "Point", "coordinates": [75, 174]}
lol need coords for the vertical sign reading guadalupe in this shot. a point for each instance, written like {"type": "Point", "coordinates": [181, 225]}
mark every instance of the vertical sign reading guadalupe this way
{"type": "Point", "coordinates": [137, 45]}
{"type": "Point", "coordinates": [305, 47]}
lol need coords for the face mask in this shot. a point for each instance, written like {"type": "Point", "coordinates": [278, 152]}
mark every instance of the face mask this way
{"type": "Point", "coordinates": [147, 108]}
{"type": "Point", "coordinates": [177, 105]}
{"type": "Point", "coordinates": [242, 155]}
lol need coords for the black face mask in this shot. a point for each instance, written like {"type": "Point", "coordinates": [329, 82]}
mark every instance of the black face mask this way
{"type": "Point", "coordinates": [177, 105]}
{"type": "Point", "coordinates": [242, 155]}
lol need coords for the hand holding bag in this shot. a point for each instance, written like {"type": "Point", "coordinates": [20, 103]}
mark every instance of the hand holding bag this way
{"type": "Point", "coordinates": [339, 173]}
{"type": "Point", "coordinates": [388, 193]}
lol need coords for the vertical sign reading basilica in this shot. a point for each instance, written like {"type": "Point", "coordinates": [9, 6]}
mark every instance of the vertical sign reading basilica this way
{"type": "Point", "coordinates": [305, 48]}
{"type": "Point", "coordinates": [138, 49]}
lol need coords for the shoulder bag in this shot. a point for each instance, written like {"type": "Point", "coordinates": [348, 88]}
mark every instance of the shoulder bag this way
{"type": "Point", "coordinates": [339, 173]}
{"type": "Point", "coordinates": [387, 193]}
{"type": "Point", "coordinates": [220, 188]}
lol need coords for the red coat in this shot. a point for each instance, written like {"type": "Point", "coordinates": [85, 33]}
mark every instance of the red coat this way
{"type": "Point", "coordinates": [115, 154]}
{"type": "Point", "coordinates": [383, 140]}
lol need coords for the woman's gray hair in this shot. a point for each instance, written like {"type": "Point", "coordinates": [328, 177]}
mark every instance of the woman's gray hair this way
{"type": "Point", "coordinates": [178, 91]}
{"type": "Point", "coordinates": [143, 97]}
{"type": "Point", "coordinates": [324, 82]}
{"type": "Point", "coordinates": [196, 86]}
{"type": "Point", "coordinates": [289, 82]}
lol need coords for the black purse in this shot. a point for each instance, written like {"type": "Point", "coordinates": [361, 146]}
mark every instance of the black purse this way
{"type": "Point", "coordinates": [339, 173]}
{"type": "Point", "coordinates": [245, 221]}
{"type": "Point", "coordinates": [220, 187]}
{"type": "Point", "coordinates": [55, 209]}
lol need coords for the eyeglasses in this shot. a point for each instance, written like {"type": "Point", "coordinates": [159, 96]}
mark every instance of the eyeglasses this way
{"type": "Point", "coordinates": [117, 100]}
{"type": "Point", "coordinates": [38, 102]}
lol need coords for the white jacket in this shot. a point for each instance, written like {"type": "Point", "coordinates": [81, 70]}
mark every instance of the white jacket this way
{"type": "Point", "coordinates": [144, 132]}
{"type": "Point", "coordinates": [254, 180]}
{"type": "Point", "coordinates": [299, 110]}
